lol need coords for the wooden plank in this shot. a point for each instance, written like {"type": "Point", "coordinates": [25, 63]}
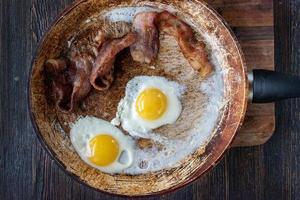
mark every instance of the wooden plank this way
{"type": "Point", "coordinates": [235, 3]}
{"type": "Point", "coordinates": [247, 16]}
{"type": "Point", "coordinates": [16, 136]}
{"type": "Point", "coordinates": [259, 54]}
{"type": "Point", "coordinates": [254, 33]}
{"type": "Point", "coordinates": [250, 136]}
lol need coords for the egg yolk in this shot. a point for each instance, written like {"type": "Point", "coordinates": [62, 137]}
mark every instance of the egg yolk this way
{"type": "Point", "coordinates": [151, 104]}
{"type": "Point", "coordinates": [104, 150]}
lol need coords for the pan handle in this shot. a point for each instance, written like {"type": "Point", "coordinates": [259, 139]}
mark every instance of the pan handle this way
{"type": "Point", "coordinates": [269, 86]}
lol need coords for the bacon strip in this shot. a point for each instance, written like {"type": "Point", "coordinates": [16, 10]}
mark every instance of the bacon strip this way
{"type": "Point", "coordinates": [102, 73]}
{"type": "Point", "coordinates": [70, 77]}
{"type": "Point", "coordinates": [87, 42]}
{"type": "Point", "coordinates": [81, 80]}
{"type": "Point", "coordinates": [193, 50]}
{"type": "Point", "coordinates": [60, 87]}
{"type": "Point", "coordinates": [145, 49]}
{"type": "Point", "coordinates": [69, 80]}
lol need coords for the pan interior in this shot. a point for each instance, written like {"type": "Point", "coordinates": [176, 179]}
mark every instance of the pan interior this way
{"type": "Point", "coordinates": [206, 102]}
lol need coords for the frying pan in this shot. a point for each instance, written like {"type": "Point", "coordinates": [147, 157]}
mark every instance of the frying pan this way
{"type": "Point", "coordinates": [262, 86]}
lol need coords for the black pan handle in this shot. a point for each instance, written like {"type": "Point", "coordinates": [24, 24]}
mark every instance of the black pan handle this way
{"type": "Point", "coordinates": [269, 86]}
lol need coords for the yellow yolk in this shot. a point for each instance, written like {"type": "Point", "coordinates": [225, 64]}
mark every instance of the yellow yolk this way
{"type": "Point", "coordinates": [151, 104]}
{"type": "Point", "coordinates": [104, 150]}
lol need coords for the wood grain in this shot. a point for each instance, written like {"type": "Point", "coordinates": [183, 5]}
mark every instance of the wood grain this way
{"type": "Point", "coordinates": [259, 124]}
{"type": "Point", "coordinates": [270, 171]}
{"type": "Point", "coordinates": [252, 21]}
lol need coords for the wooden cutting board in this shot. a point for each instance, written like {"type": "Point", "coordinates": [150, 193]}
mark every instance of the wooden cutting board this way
{"type": "Point", "coordinates": [252, 22]}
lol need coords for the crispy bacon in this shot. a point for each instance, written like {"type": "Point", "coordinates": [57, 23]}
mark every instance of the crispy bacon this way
{"type": "Point", "coordinates": [87, 42]}
{"type": "Point", "coordinates": [91, 58]}
{"type": "Point", "coordinates": [101, 76]}
{"type": "Point", "coordinates": [146, 47]}
{"type": "Point", "coordinates": [81, 80]}
{"type": "Point", "coordinates": [70, 77]}
{"type": "Point", "coordinates": [193, 50]}
{"type": "Point", "coordinates": [69, 80]}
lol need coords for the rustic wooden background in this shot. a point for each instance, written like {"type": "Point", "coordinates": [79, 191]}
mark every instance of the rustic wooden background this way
{"type": "Point", "coordinates": [271, 171]}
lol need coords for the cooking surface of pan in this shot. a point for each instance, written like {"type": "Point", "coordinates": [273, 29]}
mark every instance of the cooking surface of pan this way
{"type": "Point", "coordinates": [48, 122]}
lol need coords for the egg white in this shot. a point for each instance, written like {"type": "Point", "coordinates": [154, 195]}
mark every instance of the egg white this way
{"type": "Point", "coordinates": [86, 128]}
{"type": "Point", "coordinates": [129, 117]}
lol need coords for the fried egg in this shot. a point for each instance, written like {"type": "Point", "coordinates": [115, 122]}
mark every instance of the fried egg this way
{"type": "Point", "coordinates": [149, 102]}
{"type": "Point", "coordinates": [102, 145]}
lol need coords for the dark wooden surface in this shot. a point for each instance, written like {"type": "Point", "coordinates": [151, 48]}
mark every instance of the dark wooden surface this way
{"type": "Point", "coordinates": [271, 171]}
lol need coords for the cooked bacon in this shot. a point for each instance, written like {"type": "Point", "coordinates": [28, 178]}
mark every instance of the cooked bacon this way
{"type": "Point", "coordinates": [101, 76]}
{"type": "Point", "coordinates": [99, 39]}
{"type": "Point", "coordinates": [60, 88]}
{"type": "Point", "coordinates": [193, 50]}
{"type": "Point", "coordinates": [86, 42]}
{"type": "Point", "coordinates": [70, 77]}
{"type": "Point", "coordinates": [81, 81]}
{"type": "Point", "coordinates": [91, 58]}
{"type": "Point", "coordinates": [69, 80]}
{"type": "Point", "coordinates": [90, 61]}
{"type": "Point", "coordinates": [146, 47]}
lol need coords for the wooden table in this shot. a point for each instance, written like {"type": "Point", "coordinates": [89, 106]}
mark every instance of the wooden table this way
{"type": "Point", "coordinates": [271, 171]}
